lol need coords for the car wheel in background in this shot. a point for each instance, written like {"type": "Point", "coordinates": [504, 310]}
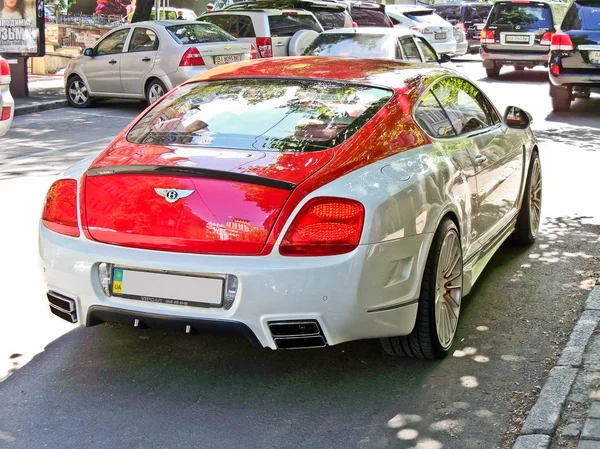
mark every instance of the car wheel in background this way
{"type": "Point", "coordinates": [493, 72]}
{"type": "Point", "coordinates": [439, 302]}
{"type": "Point", "coordinates": [154, 91]}
{"type": "Point", "coordinates": [77, 92]}
{"type": "Point", "coordinates": [528, 220]}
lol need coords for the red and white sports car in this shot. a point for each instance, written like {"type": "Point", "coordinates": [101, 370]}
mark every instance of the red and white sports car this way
{"type": "Point", "coordinates": [301, 202]}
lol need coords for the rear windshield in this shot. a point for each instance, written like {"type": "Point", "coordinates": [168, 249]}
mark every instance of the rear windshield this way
{"type": "Point", "coordinates": [583, 17]}
{"type": "Point", "coordinates": [259, 114]}
{"type": "Point", "coordinates": [354, 45]}
{"type": "Point", "coordinates": [288, 24]}
{"type": "Point", "coordinates": [196, 33]}
{"type": "Point", "coordinates": [425, 18]}
{"type": "Point", "coordinates": [477, 13]}
{"type": "Point", "coordinates": [366, 17]}
{"type": "Point", "coordinates": [527, 16]}
{"type": "Point", "coordinates": [450, 13]}
{"type": "Point", "coordinates": [332, 19]}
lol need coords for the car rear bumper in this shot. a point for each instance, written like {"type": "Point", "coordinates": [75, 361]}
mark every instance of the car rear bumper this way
{"type": "Point", "coordinates": [490, 58]}
{"type": "Point", "coordinates": [6, 101]}
{"type": "Point", "coordinates": [181, 75]}
{"type": "Point", "coordinates": [461, 48]}
{"type": "Point", "coordinates": [344, 294]}
{"type": "Point", "coordinates": [444, 47]}
{"type": "Point", "coordinates": [577, 79]}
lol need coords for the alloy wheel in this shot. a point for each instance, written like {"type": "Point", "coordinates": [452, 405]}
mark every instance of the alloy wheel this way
{"type": "Point", "coordinates": [448, 293]}
{"type": "Point", "coordinates": [156, 91]}
{"type": "Point", "coordinates": [78, 92]}
{"type": "Point", "coordinates": [535, 197]}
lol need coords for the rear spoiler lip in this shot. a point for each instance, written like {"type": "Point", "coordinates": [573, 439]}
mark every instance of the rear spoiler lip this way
{"type": "Point", "coordinates": [193, 172]}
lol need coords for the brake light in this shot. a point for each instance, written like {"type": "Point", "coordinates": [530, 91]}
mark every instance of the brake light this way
{"type": "Point", "coordinates": [4, 72]}
{"type": "Point", "coordinates": [555, 69]}
{"type": "Point", "coordinates": [5, 113]}
{"type": "Point", "coordinates": [265, 47]}
{"type": "Point", "coordinates": [253, 52]}
{"type": "Point", "coordinates": [487, 36]}
{"type": "Point", "coordinates": [547, 38]}
{"type": "Point", "coordinates": [462, 27]}
{"type": "Point", "coordinates": [561, 42]}
{"type": "Point", "coordinates": [60, 208]}
{"type": "Point", "coordinates": [520, 1]}
{"type": "Point", "coordinates": [324, 227]}
{"type": "Point", "coordinates": [354, 24]}
{"type": "Point", "coordinates": [191, 58]}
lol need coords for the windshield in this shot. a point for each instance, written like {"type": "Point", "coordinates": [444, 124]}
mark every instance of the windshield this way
{"type": "Point", "coordinates": [477, 13]}
{"type": "Point", "coordinates": [264, 115]}
{"type": "Point", "coordinates": [354, 45]}
{"type": "Point", "coordinates": [288, 24]}
{"type": "Point", "coordinates": [426, 18]}
{"type": "Point", "coordinates": [196, 33]}
{"type": "Point", "coordinates": [332, 19]}
{"type": "Point", "coordinates": [528, 16]}
{"type": "Point", "coordinates": [365, 17]}
{"type": "Point", "coordinates": [450, 13]}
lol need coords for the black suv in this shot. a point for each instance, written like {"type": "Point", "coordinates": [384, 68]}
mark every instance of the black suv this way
{"type": "Point", "coordinates": [575, 55]}
{"type": "Point", "coordinates": [519, 33]}
{"type": "Point", "coordinates": [470, 17]}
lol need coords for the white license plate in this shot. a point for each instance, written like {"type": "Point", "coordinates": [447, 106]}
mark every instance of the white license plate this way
{"type": "Point", "coordinates": [440, 36]}
{"type": "Point", "coordinates": [479, 27]}
{"type": "Point", "coordinates": [227, 59]}
{"type": "Point", "coordinates": [164, 288]}
{"type": "Point", "coordinates": [594, 57]}
{"type": "Point", "coordinates": [519, 39]}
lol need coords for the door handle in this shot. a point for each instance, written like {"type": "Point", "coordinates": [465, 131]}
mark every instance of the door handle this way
{"type": "Point", "coordinates": [112, 61]}
{"type": "Point", "coordinates": [480, 159]}
{"type": "Point", "coordinates": [281, 44]}
{"type": "Point", "coordinates": [146, 59]}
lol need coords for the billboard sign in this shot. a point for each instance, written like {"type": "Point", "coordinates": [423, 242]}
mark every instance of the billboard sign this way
{"type": "Point", "coordinates": [22, 28]}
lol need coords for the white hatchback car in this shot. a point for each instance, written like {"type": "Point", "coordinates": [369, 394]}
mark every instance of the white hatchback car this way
{"type": "Point", "coordinates": [436, 30]}
{"type": "Point", "coordinates": [147, 59]}
{"type": "Point", "coordinates": [7, 104]}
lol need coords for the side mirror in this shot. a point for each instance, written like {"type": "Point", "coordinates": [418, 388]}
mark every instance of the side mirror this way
{"type": "Point", "coordinates": [517, 118]}
{"type": "Point", "coordinates": [88, 52]}
{"type": "Point", "coordinates": [443, 58]}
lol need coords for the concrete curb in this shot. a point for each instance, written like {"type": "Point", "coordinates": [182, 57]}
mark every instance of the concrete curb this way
{"type": "Point", "coordinates": [40, 106]}
{"type": "Point", "coordinates": [540, 425]}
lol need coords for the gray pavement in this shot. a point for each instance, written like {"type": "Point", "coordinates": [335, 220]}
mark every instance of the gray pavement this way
{"type": "Point", "coordinates": [112, 386]}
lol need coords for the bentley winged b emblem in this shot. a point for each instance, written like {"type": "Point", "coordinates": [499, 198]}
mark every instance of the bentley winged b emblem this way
{"type": "Point", "coordinates": [172, 195]}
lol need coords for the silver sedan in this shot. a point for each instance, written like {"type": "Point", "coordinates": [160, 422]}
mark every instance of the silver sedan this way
{"type": "Point", "coordinates": [145, 60]}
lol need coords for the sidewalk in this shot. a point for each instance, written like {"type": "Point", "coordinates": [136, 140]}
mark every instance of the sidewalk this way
{"type": "Point", "coordinates": [567, 412]}
{"type": "Point", "coordinates": [45, 92]}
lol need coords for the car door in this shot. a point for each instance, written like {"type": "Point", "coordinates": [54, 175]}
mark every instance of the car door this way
{"type": "Point", "coordinates": [496, 152]}
{"type": "Point", "coordinates": [139, 59]}
{"type": "Point", "coordinates": [427, 52]}
{"type": "Point", "coordinates": [102, 71]}
{"type": "Point", "coordinates": [410, 52]}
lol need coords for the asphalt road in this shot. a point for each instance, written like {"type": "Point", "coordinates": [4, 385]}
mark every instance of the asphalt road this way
{"type": "Point", "coordinates": [116, 387]}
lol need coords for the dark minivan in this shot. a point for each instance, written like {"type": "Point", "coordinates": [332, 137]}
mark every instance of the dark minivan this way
{"type": "Point", "coordinates": [519, 33]}
{"type": "Point", "coordinates": [470, 17]}
{"type": "Point", "coordinates": [575, 55]}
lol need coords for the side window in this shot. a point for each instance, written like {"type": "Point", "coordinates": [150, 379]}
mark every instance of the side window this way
{"type": "Point", "coordinates": [431, 117]}
{"type": "Point", "coordinates": [112, 44]}
{"type": "Point", "coordinates": [572, 20]}
{"type": "Point", "coordinates": [241, 26]}
{"type": "Point", "coordinates": [409, 48]}
{"type": "Point", "coordinates": [143, 39]}
{"type": "Point", "coordinates": [464, 104]}
{"type": "Point", "coordinates": [428, 53]}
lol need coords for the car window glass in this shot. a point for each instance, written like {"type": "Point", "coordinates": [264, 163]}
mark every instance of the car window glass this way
{"type": "Point", "coordinates": [113, 43]}
{"type": "Point", "coordinates": [450, 13]}
{"type": "Point", "coordinates": [528, 16]}
{"type": "Point", "coordinates": [366, 17]}
{"type": "Point", "coordinates": [198, 33]}
{"type": "Point", "coordinates": [464, 104]}
{"type": "Point", "coordinates": [582, 17]}
{"type": "Point", "coordinates": [332, 19]}
{"type": "Point", "coordinates": [426, 17]}
{"type": "Point", "coordinates": [477, 13]}
{"type": "Point", "coordinates": [353, 45]}
{"type": "Point", "coordinates": [431, 117]}
{"type": "Point", "coordinates": [426, 50]}
{"type": "Point", "coordinates": [409, 48]}
{"type": "Point", "coordinates": [288, 24]}
{"type": "Point", "coordinates": [143, 39]}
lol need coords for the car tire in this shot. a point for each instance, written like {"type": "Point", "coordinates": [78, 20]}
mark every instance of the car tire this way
{"type": "Point", "coordinates": [78, 95]}
{"type": "Point", "coordinates": [438, 312]}
{"type": "Point", "coordinates": [530, 214]}
{"type": "Point", "coordinates": [154, 91]}
{"type": "Point", "coordinates": [493, 72]}
{"type": "Point", "coordinates": [561, 104]}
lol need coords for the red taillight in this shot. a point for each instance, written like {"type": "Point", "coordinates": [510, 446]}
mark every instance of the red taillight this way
{"type": "Point", "coordinates": [555, 69]}
{"type": "Point", "coordinates": [487, 36]}
{"type": "Point", "coordinates": [60, 208]}
{"type": "Point", "coordinates": [4, 72]}
{"type": "Point", "coordinates": [547, 38]}
{"type": "Point", "coordinates": [462, 27]}
{"type": "Point", "coordinates": [253, 52]}
{"type": "Point", "coordinates": [265, 47]}
{"type": "Point", "coordinates": [354, 24]}
{"type": "Point", "coordinates": [561, 42]}
{"type": "Point", "coordinates": [324, 227]}
{"type": "Point", "coordinates": [5, 113]}
{"type": "Point", "coordinates": [191, 58]}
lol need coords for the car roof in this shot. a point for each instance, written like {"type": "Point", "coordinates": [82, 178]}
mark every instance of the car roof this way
{"type": "Point", "coordinates": [398, 75]}
{"type": "Point", "coordinates": [165, 23]}
{"type": "Point", "coordinates": [269, 11]}
{"type": "Point", "coordinates": [378, 31]}
{"type": "Point", "coordinates": [408, 8]}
